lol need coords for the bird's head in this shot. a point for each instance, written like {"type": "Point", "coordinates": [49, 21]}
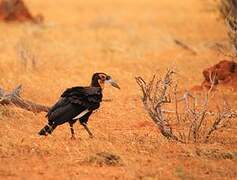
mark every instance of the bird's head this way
{"type": "Point", "coordinates": [99, 79]}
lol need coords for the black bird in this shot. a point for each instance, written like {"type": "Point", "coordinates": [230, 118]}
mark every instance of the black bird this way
{"type": "Point", "coordinates": [77, 103]}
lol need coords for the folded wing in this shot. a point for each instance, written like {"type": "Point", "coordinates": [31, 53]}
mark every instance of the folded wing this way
{"type": "Point", "coordinates": [73, 101]}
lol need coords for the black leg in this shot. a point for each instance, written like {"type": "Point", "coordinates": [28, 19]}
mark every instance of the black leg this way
{"type": "Point", "coordinates": [72, 131]}
{"type": "Point", "coordinates": [87, 129]}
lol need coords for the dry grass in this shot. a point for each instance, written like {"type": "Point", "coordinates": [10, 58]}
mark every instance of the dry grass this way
{"type": "Point", "coordinates": [124, 38]}
{"type": "Point", "coordinates": [228, 9]}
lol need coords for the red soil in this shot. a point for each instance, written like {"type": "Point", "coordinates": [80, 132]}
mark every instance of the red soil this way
{"type": "Point", "coordinates": [16, 10]}
{"type": "Point", "coordinates": [224, 72]}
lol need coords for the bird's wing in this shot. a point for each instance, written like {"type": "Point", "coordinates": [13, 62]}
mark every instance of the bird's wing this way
{"type": "Point", "coordinates": [62, 102]}
{"type": "Point", "coordinates": [65, 113]}
{"type": "Point", "coordinates": [88, 97]}
{"type": "Point", "coordinates": [74, 101]}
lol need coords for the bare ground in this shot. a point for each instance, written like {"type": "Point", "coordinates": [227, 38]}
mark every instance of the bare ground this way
{"type": "Point", "coordinates": [123, 38]}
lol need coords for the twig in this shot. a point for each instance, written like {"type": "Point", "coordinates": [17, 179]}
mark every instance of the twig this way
{"type": "Point", "coordinates": [155, 95]}
{"type": "Point", "coordinates": [185, 46]}
{"type": "Point", "coordinates": [158, 92]}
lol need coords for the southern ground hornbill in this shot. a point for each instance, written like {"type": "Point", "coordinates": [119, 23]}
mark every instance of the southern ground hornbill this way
{"type": "Point", "coordinates": [77, 103]}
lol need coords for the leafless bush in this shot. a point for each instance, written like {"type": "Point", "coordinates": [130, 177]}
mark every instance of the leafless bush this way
{"type": "Point", "coordinates": [228, 9]}
{"type": "Point", "coordinates": [191, 118]}
{"type": "Point", "coordinates": [156, 94]}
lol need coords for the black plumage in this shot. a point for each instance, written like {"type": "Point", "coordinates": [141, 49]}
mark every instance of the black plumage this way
{"type": "Point", "coordinates": [77, 103]}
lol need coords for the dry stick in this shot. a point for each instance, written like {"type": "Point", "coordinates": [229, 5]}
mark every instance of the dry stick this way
{"type": "Point", "coordinates": [154, 100]}
{"type": "Point", "coordinates": [190, 112]}
{"type": "Point", "coordinates": [185, 46]}
{"type": "Point", "coordinates": [176, 104]}
{"type": "Point", "coordinates": [196, 118]}
{"type": "Point", "coordinates": [205, 106]}
{"type": "Point", "coordinates": [199, 118]}
{"type": "Point", "coordinates": [214, 126]}
{"type": "Point", "coordinates": [220, 118]}
{"type": "Point", "coordinates": [15, 99]}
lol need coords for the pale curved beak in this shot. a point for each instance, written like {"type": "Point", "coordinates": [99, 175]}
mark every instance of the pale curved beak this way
{"type": "Point", "coordinates": [113, 83]}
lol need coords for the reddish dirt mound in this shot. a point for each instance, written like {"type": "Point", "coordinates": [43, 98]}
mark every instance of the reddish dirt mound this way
{"type": "Point", "coordinates": [16, 10]}
{"type": "Point", "coordinates": [225, 72]}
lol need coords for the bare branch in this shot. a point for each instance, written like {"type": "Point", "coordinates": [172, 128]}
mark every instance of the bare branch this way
{"type": "Point", "coordinates": [185, 46]}
{"type": "Point", "coordinates": [155, 96]}
{"type": "Point", "coordinates": [15, 99]}
{"type": "Point", "coordinates": [198, 121]}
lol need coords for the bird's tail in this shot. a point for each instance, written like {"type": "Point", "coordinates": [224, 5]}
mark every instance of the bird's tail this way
{"type": "Point", "coordinates": [46, 130]}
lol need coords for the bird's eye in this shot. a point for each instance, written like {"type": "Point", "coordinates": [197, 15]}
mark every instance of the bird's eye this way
{"type": "Point", "coordinates": [102, 77]}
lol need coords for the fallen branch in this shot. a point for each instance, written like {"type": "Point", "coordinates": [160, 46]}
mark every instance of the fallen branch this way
{"type": "Point", "coordinates": [15, 99]}
{"type": "Point", "coordinates": [185, 46]}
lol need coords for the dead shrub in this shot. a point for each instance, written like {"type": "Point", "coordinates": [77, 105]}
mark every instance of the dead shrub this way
{"type": "Point", "coordinates": [185, 118]}
{"type": "Point", "coordinates": [228, 9]}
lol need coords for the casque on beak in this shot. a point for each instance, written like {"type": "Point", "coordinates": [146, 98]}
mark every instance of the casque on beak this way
{"type": "Point", "coordinates": [113, 83]}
